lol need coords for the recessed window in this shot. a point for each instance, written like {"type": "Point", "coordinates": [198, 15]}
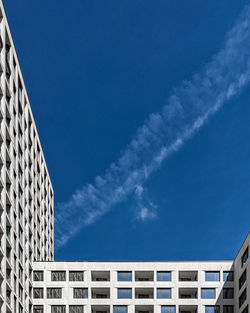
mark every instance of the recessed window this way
{"type": "Point", "coordinates": [245, 310]}
{"type": "Point", "coordinates": [228, 276]}
{"type": "Point", "coordinates": [163, 293]}
{"type": "Point", "coordinates": [168, 309]}
{"type": "Point", "coordinates": [244, 257]}
{"type": "Point", "coordinates": [38, 309]}
{"type": "Point", "coordinates": [242, 297]}
{"type": "Point", "coordinates": [212, 309]}
{"type": "Point", "coordinates": [242, 279]}
{"type": "Point", "coordinates": [188, 293]}
{"type": "Point", "coordinates": [164, 276]}
{"type": "Point", "coordinates": [38, 293]}
{"type": "Point", "coordinates": [100, 275]}
{"type": "Point", "coordinates": [124, 276]}
{"type": "Point", "coordinates": [120, 309]}
{"type": "Point", "coordinates": [144, 275]}
{"type": "Point", "coordinates": [76, 276]}
{"type": "Point", "coordinates": [188, 275]}
{"type": "Point", "coordinates": [144, 293]}
{"type": "Point", "coordinates": [228, 293]}
{"type": "Point", "coordinates": [58, 276]}
{"type": "Point", "coordinates": [212, 276]}
{"type": "Point", "coordinates": [80, 293]}
{"type": "Point", "coordinates": [228, 309]}
{"type": "Point", "coordinates": [54, 293]}
{"type": "Point", "coordinates": [124, 293]}
{"type": "Point", "coordinates": [58, 309]}
{"type": "Point", "coordinates": [208, 293]}
{"type": "Point", "coordinates": [100, 293]}
{"type": "Point", "coordinates": [76, 309]}
{"type": "Point", "coordinates": [38, 275]}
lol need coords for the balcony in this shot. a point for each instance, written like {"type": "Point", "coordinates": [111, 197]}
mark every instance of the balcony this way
{"type": "Point", "coordinates": [100, 309]}
{"type": "Point", "coordinates": [144, 309]}
{"type": "Point", "coordinates": [188, 276]}
{"type": "Point", "coordinates": [144, 293]}
{"type": "Point", "coordinates": [188, 293]}
{"type": "Point", "coordinates": [100, 276]}
{"type": "Point", "coordinates": [100, 293]}
{"type": "Point", "coordinates": [144, 276]}
{"type": "Point", "coordinates": [188, 309]}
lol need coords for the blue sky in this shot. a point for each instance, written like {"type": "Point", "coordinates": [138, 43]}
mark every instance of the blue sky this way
{"type": "Point", "coordinates": [95, 70]}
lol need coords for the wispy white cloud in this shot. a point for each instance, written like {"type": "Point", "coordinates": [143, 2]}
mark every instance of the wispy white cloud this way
{"type": "Point", "coordinates": [146, 209]}
{"type": "Point", "coordinates": [163, 133]}
{"type": "Point", "coordinates": [146, 214]}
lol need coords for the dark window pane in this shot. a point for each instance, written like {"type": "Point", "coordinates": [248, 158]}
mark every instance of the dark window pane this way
{"type": "Point", "coordinates": [228, 293]}
{"type": "Point", "coordinates": [242, 279]}
{"type": "Point", "coordinates": [244, 257]}
{"type": "Point", "coordinates": [228, 276]}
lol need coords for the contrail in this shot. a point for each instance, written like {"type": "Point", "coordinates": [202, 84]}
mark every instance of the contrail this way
{"type": "Point", "coordinates": [163, 133]}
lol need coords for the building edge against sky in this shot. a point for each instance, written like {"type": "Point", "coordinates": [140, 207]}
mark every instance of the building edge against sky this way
{"type": "Point", "coordinates": [26, 202]}
{"type": "Point", "coordinates": [32, 282]}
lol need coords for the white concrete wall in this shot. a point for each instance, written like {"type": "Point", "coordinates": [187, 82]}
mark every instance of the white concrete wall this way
{"type": "Point", "coordinates": [113, 284]}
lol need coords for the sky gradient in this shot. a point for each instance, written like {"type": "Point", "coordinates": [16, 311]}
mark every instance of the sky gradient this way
{"type": "Point", "coordinates": [94, 71]}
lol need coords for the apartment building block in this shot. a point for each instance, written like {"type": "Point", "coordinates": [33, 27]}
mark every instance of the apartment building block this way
{"type": "Point", "coordinates": [26, 193]}
{"type": "Point", "coordinates": [32, 282]}
{"type": "Point", "coordinates": [143, 287]}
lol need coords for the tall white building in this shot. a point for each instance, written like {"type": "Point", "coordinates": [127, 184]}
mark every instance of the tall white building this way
{"type": "Point", "coordinates": [26, 193]}
{"type": "Point", "coordinates": [31, 282]}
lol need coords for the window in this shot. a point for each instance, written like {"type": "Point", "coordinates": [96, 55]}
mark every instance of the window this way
{"type": "Point", "coordinates": [207, 293]}
{"type": "Point", "coordinates": [120, 309]}
{"type": "Point", "coordinates": [242, 279]}
{"type": "Point", "coordinates": [168, 309]}
{"type": "Point", "coordinates": [228, 293]}
{"type": "Point", "coordinates": [38, 309]}
{"type": "Point", "coordinates": [76, 276]}
{"type": "Point", "coordinates": [80, 293]}
{"type": "Point", "coordinates": [163, 293]}
{"type": "Point", "coordinates": [54, 293]}
{"type": "Point", "coordinates": [242, 297]}
{"type": "Point", "coordinates": [58, 309]}
{"type": "Point", "coordinates": [100, 275]}
{"type": "Point", "coordinates": [228, 309]}
{"type": "Point", "coordinates": [124, 276]}
{"type": "Point", "coordinates": [164, 276]}
{"type": "Point", "coordinates": [244, 257]}
{"type": "Point", "coordinates": [228, 276]}
{"type": "Point", "coordinates": [38, 293]}
{"type": "Point", "coordinates": [58, 276]}
{"type": "Point", "coordinates": [245, 310]}
{"type": "Point", "coordinates": [212, 309]}
{"type": "Point", "coordinates": [124, 293]}
{"type": "Point", "coordinates": [76, 309]}
{"type": "Point", "coordinates": [212, 276]}
{"type": "Point", "coordinates": [38, 275]}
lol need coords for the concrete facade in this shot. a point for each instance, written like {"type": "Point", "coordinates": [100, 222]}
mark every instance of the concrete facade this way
{"type": "Point", "coordinates": [26, 193]}
{"type": "Point", "coordinates": [31, 282]}
{"type": "Point", "coordinates": [151, 287]}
